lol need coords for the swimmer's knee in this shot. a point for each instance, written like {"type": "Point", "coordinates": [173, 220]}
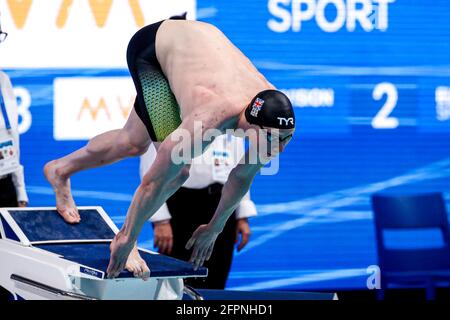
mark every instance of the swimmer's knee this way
{"type": "Point", "coordinates": [136, 151]}
{"type": "Point", "coordinates": [184, 173]}
{"type": "Point", "coordinates": [182, 176]}
{"type": "Point", "coordinates": [129, 147]}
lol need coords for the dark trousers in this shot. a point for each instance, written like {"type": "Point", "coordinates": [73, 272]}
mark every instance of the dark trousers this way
{"type": "Point", "coordinates": [189, 209]}
{"type": "Point", "coordinates": [8, 195]}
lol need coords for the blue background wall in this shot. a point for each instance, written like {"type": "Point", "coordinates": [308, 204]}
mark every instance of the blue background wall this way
{"type": "Point", "coordinates": [314, 228]}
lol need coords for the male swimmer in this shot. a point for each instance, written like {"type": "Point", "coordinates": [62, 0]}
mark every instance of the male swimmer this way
{"type": "Point", "coordinates": [184, 71]}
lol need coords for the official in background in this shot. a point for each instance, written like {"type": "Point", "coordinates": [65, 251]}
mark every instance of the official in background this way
{"type": "Point", "coordinates": [195, 203]}
{"type": "Point", "coordinates": [12, 182]}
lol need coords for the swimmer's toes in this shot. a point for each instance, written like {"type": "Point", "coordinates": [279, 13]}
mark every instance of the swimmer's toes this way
{"type": "Point", "coordinates": [69, 215]}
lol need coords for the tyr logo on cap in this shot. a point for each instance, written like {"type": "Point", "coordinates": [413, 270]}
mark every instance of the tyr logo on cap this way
{"type": "Point", "coordinates": [257, 105]}
{"type": "Point", "coordinates": [285, 121]}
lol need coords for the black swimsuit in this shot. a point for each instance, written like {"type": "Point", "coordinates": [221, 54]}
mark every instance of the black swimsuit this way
{"type": "Point", "coordinates": [155, 103]}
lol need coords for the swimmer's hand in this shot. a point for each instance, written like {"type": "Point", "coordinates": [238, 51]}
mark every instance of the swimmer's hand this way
{"type": "Point", "coordinates": [120, 248]}
{"type": "Point", "coordinates": [163, 236]}
{"type": "Point", "coordinates": [202, 241]}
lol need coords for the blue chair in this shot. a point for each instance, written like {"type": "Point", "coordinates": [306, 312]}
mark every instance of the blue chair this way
{"type": "Point", "coordinates": [412, 267]}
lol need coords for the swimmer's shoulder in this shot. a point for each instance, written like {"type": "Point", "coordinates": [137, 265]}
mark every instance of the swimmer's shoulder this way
{"type": "Point", "coordinates": [209, 103]}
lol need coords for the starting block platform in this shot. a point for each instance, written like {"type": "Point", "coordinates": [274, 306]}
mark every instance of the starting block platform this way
{"type": "Point", "coordinates": [43, 257]}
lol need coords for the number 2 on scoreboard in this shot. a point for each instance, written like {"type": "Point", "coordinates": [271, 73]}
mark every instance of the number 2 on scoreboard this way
{"type": "Point", "coordinates": [382, 120]}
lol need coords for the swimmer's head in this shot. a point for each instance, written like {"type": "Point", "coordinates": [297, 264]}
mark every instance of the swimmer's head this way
{"type": "Point", "coordinates": [270, 115]}
{"type": "Point", "coordinates": [271, 109]}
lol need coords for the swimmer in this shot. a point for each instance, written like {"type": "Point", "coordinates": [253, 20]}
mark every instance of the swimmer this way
{"type": "Point", "coordinates": [184, 72]}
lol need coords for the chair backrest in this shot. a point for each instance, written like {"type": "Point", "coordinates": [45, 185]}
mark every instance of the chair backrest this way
{"type": "Point", "coordinates": [408, 213]}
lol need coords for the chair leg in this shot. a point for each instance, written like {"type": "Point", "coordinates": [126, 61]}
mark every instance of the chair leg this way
{"type": "Point", "coordinates": [380, 294]}
{"type": "Point", "coordinates": [431, 291]}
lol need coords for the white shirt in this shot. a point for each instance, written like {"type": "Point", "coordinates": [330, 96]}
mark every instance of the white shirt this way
{"type": "Point", "coordinates": [13, 116]}
{"type": "Point", "coordinates": [213, 166]}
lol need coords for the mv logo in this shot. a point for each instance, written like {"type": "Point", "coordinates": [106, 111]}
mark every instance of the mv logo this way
{"type": "Point", "coordinates": [285, 121]}
{"type": "Point", "coordinates": [94, 110]}
{"type": "Point", "coordinates": [100, 10]}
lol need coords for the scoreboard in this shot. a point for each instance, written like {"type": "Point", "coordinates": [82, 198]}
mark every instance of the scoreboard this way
{"type": "Point", "coordinates": [384, 64]}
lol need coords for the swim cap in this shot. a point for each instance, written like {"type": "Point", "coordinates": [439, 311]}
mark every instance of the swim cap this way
{"type": "Point", "coordinates": [271, 108]}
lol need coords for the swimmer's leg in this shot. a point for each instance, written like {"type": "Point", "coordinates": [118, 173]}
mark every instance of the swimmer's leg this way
{"type": "Point", "coordinates": [132, 140]}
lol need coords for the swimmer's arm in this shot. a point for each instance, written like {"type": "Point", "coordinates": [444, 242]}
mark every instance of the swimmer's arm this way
{"type": "Point", "coordinates": [237, 185]}
{"type": "Point", "coordinates": [162, 179]}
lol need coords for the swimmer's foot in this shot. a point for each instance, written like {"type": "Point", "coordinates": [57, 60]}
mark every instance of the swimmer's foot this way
{"type": "Point", "coordinates": [137, 266]}
{"type": "Point", "coordinates": [64, 201]}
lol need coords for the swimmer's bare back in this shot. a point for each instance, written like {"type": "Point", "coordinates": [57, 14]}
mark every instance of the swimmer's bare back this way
{"type": "Point", "coordinates": [213, 82]}
{"type": "Point", "coordinates": [205, 69]}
